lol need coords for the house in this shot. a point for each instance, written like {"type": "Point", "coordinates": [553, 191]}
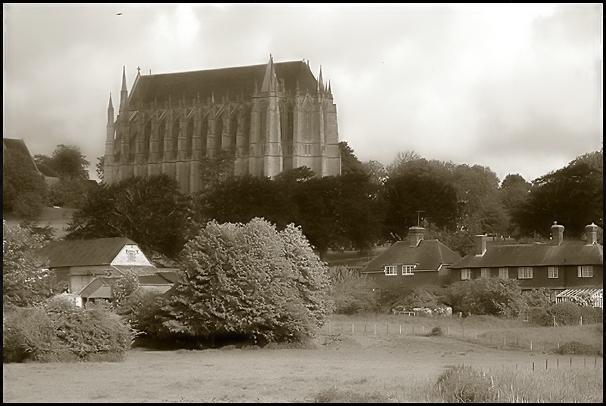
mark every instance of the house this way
{"type": "Point", "coordinates": [416, 262]}
{"type": "Point", "coordinates": [88, 267]}
{"type": "Point", "coordinates": [556, 266]}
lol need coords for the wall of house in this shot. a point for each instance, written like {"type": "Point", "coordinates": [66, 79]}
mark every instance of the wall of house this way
{"type": "Point", "coordinates": [419, 278]}
{"type": "Point", "coordinates": [130, 254]}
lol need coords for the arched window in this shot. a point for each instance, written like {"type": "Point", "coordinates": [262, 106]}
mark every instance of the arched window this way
{"type": "Point", "coordinates": [233, 132]}
{"type": "Point", "coordinates": [308, 125]}
{"type": "Point", "coordinates": [161, 133]}
{"type": "Point", "coordinates": [132, 144]}
{"type": "Point", "coordinates": [262, 125]}
{"type": "Point", "coordinates": [204, 134]}
{"type": "Point", "coordinates": [175, 139]}
{"type": "Point", "coordinates": [189, 143]}
{"type": "Point", "coordinates": [219, 128]}
{"type": "Point", "coordinates": [146, 140]}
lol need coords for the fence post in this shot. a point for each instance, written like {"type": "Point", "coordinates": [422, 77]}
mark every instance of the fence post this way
{"type": "Point", "coordinates": [532, 366]}
{"type": "Point", "coordinates": [364, 327]}
{"type": "Point", "coordinates": [546, 365]}
{"type": "Point", "coordinates": [570, 361]}
{"type": "Point", "coordinates": [463, 333]}
{"type": "Point", "coordinates": [387, 328]}
{"type": "Point", "coordinates": [328, 327]}
{"type": "Point", "coordinates": [400, 329]}
{"type": "Point", "coordinates": [557, 363]}
{"type": "Point", "coordinates": [581, 323]}
{"type": "Point", "coordinates": [490, 338]}
{"type": "Point", "coordinates": [504, 341]}
{"type": "Point", "coordinates": [530, 345]}
{"type": "Point", "coordinates": [352, 329]}
{"type": "Point", "coordinates": [375, 329]}
{"type": "Point", "coordinates": [423, 328]}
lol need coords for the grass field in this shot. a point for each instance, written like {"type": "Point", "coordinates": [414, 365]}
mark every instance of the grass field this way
{"type": "Point", "coordinates": [363, 367]}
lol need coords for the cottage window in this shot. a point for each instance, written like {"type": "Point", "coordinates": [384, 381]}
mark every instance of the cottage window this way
{"type": "Point", "coordinates": [391, 270]}
{"type": "Point", "coordinates": [585, 271]}
{"type": "Point", "coordinates": [130, 255]}
{"type": "Point", "coordinates": [504, 273]}
{"type": "Point", "coordinates": [465, 274]}
{"type": "Point", "coordinates": [485, 273]}
{"type": "Point", "coordinates": [525, 272]}
{"type": "Point", "coordinates": [552, 272]}
{"type": "Point", "coordinates": [408, 269]}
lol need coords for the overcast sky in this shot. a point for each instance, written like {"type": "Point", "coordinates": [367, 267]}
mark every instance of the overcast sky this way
{"type": "Point", "coordinates": [517, 88]}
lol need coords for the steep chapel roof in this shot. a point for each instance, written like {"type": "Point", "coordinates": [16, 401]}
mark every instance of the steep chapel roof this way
{"type": "Point", "coordinates": [232, 82]}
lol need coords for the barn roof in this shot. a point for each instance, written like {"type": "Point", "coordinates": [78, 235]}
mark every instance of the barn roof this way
{"type": "Point", "coordinates": [100, 251]}
{"type": "Point", "coordinates": [428, 255]}
{"type": "Point", "coordinates": [534, 255]}
{"type": "Point", "coordinates": [231, 82]}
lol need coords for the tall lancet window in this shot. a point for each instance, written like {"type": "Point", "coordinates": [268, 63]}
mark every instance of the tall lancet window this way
{"type": "Point", "coordinates": [308, 125]}
{"type": "Point", "coordinates": [175, 139]}
{"type": "Point", "coordinates": [146, 140]}
{"type": "Point", "coordinates": [233, 132]}
{"type": "Point", "coordinates": [161, 134]}
{"type": "Point", "coordinates": [219, 128]}
{"type": "Point", "coordinates": [263, 125]}
{"type": "Point", "coordinates": [132, 144]}
{"type": "Point", "coordinates": [189, 143]}
{"type": "Point", "coordinates": [204, 134]}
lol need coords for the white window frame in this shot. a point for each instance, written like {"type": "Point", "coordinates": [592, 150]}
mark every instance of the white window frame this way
{"type": "Point", "coordinates": [408, 269]}
{"type": "Point", "coordinates": [525, 272]}
{"type": "Point", "coordinates": [504, 273]}
{"type": "Point", "coordinates": [131, 255]}
{"type": "Point", "coordinates": [465, 274]}
{"type": "Point", "coordinates": [553, 272]}
{"type": "Point", "coordinates": [585, 271]}
{"type": "Point", "coordinates": [485, 273]}
{"type": "Point", "coordinates": [391, 270]}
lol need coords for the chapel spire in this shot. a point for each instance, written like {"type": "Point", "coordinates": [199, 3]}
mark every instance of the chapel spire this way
{"type": "Point", "coordinates": [123, 93]}
{"type": "Point", "coordinates": [270, 81]}
{"type": "Point", "coordinates": [110, 111]}
{"type": "Point", "coordinates": [320, 81]}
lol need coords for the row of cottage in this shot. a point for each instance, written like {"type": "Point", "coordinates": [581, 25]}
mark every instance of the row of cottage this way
{"type": "Point", "coordinates": [566, 268]}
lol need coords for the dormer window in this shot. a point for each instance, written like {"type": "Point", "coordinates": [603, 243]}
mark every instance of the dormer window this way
{"type": "Point", "coordinates": [408, 269]}
{"type": "Point", "coordinates": [391, 270]}
{"type": "Point", "coordinates": [130, 255]}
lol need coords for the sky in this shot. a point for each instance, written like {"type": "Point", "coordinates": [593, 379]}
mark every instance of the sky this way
{"type": "Point", "coordinates": [513, 87]}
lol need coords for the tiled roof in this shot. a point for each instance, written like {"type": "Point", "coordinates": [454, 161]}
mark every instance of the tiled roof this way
{"type": "Point", "coordinates": [99, 251]}
{"type": "Point", "coordinates": [428, 255]}
{"type": "Point", "coordinates": [234, 82]}
{"type": "Point", "coordinates": [138, 270]}
{"type": "Point", "coordinates": [534, 255]}
{"type": "Point", "coordinates": [18, 145]}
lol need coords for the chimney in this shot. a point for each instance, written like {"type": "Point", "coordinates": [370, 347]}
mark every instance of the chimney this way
{"type": "Point", "coordinates": [415, 235]}
{"type": "Point", "coordinates": [480, 244]}
{"type": "Point", "coordinates": [557, 234]}
{"type": "Point", "coordinates": [591, 231]}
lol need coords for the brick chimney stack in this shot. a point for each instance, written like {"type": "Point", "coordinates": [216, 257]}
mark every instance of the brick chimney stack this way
{"type": "Point", "coordinates": [480, 244]}
{"type": "Point", "coordinates": [557, 234]}
{"type": "Point", "coordinates": [415, 235]}
{"type": "Point", "coordinates": [591, 231]}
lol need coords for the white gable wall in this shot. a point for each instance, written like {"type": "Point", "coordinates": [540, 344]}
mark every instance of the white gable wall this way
{"type": "Point", "coordinates": [131, 254]}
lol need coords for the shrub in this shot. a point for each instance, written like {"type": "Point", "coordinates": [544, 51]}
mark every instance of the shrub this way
{"type": "Point", "coordinates": [578, 348]}
{"type": "Point", "coordinates": [61, 331]}
{"type": "Point", "coordinates": [407, 298]}
{"type": "Point", "coordinates": [487, 296]}
{"type": "Point", "coordinates": [464, 385]}
{"type": "Point", "coordinates": [333, 395]}
{"type": "Point", "coordinates": [351, 291]}
{"type": "Point", "coordinates": [566, 313]}
{"type": "Point", "coordinates": [436, 331]}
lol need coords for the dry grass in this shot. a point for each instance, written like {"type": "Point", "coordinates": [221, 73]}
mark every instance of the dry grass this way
{"type": "Point", "coordinates": [332, 368]}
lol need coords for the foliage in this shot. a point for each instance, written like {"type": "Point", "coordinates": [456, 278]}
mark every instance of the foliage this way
{"type": "Point", "coordinates": [487, 296]}
{"type": "Point", "coordinates": [578, 348]}
{"type": "Point", "coordinates": [23, 188]}
{"type": "Point", "coordinates": [513, 193]}
{"type": "Point", "coordinates": [436, 331]}
{"type": "Point", "coordinates": [460, 241]}
{"type": "Point", "coordinates": [67, 161]}
{"type": "Point", "coordinates": [537, 298]}
{"type": "Point", "coordinates": [100, 167]}
{"type": "Point", "coordinates": [25, 282]}
{"type": "Point", "coordinates": [349, 161]}
{"type": "Point", "coordinates": [566, 313]}
{"type": "Point", "coordinates": [351, 292]}
{"type": "Point", "coordinates": [334, 395]}
{"type": "Point", "coordinates": [61, 331]}
{"type": "Point", "coordinates": [250, 280]}
{"type": "Point", "coordinates": [572, 196]}
{"type": "Point", "coordinates": [68, 193]}
{"type": "Point", "coordinates": [216, 169]}
{"type": "Point", "coordinates": [418, 187]}
{"type": "Point", "coordinates": [122, 289]}
{"type": "Point", "coordinates": [149, 210]}
{"type": "Point", "coordinates": [463, 384]}
{"type": "Point", "coordinates": [408, 297]}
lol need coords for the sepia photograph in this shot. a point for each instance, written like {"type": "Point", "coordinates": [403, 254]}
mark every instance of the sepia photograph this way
{"type": "Point", "coordinates": [302, 203]}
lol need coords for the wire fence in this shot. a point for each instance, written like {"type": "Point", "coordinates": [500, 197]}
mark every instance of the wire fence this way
{"type": "Point", "coordinates": [499, 340]}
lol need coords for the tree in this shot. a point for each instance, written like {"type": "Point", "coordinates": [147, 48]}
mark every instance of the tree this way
{"type": "Point", "coordinates": [25, 281]}
{"type": "Point", "coordinates": [572, 196]}
{"type": "Point", "coordinates": [68, 161]}
{"type": "Point", "coordinates": [100, 167]}
{"type": "Point", "coordinates": [249, 281]}
{"type": "Point", "coordinates": [23, 188]}
{"type": "Point", "coordinates": [349, 161]}
{"type": "Point", "coordinates": [216, 169]}
{"type": "Point", "coordinates": [350, 291]}
{"type": "Point", "coordinates": [513, 193]}
{"type": "Point", "coordinates": [417, 188]}
{"type": "Point", "coordinates": [150, 211]}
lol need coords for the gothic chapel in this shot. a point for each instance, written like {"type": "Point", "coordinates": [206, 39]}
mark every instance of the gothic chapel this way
{"type": "Point", "coordinates": [272, 117]}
